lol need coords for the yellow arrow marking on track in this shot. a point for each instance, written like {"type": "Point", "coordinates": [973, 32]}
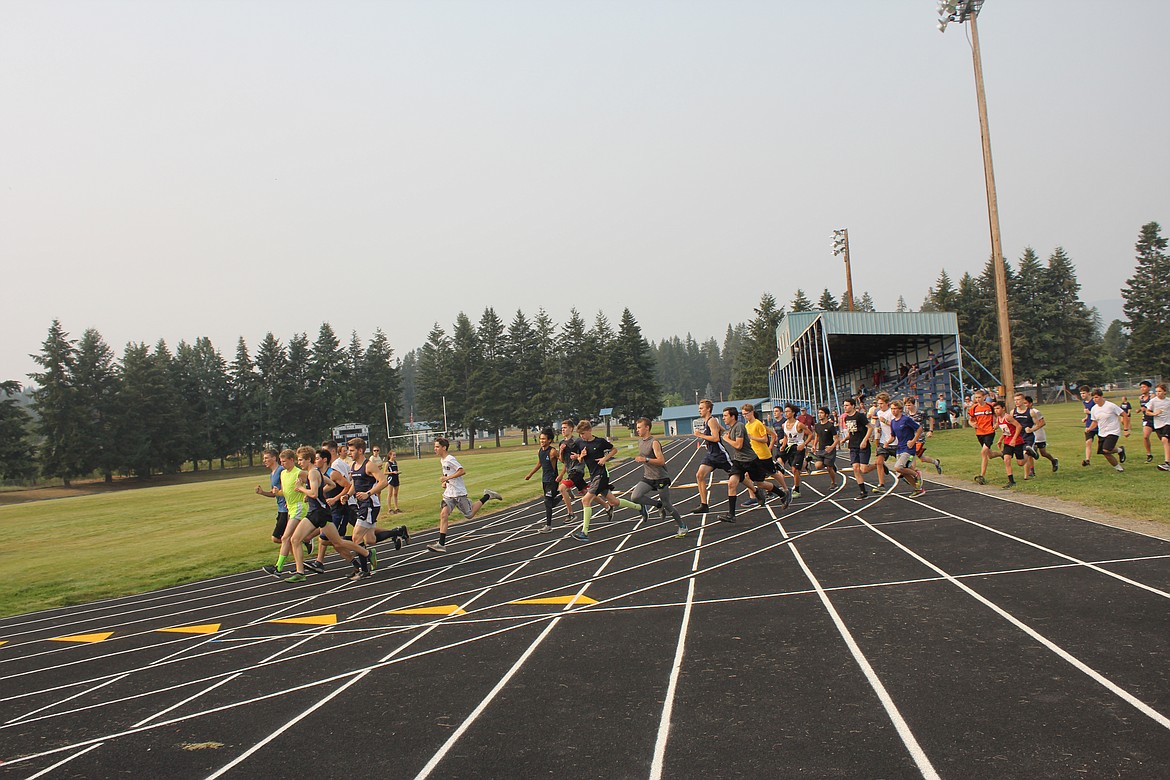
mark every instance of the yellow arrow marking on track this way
{"type": "Point", "coordinates": [311, 620]}
{"type": "Point", "coordinates": [84, 637]}
{"type": "Point", "coordinates": [557, 600]}
{"type": "Point", "coordinates": [206, 628]}
{"type": "Point", "coordinates": [3, 641]}
{"type": "Point", "coordinates": [442, 609]}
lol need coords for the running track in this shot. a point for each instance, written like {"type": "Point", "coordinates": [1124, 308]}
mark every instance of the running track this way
{"type": "Point", "coordinates": [956, 636]}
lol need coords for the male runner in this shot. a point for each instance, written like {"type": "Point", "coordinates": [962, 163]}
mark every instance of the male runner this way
{"type": "Point", "coordinates": [1147, 419]}
{"type": "Point", "coordinates": [547, 460]}
{"type": "Point", "coordinates": [879, 422]}
{"type": "Point", "coordinates": [320, 520]}
{"type": "Point", "coordinates": [595, 452]}
{"type": "Point", "coordinates": [763, 470]}
{"type": "Point", "coordinates": [366, 481]}
{"type": "Point", "coordinates": [1028, 453]}
{"type": "Point", "coordinates": [290, 478]}
{"type": "Point", "coordinates": [271, 459]}
{"type": "Point", "coordinates": [655, 478]}
{"type": "Point", "coordinates": [1090, 431]}
{"type": "Point", "coordinates": [1012, 442]}
{"type": "Point", "coordinates": [574, 470]}
{"type": "Point", "coordinates": [911, 410]}
{"type": "Point", "coordinates": [1159, 407]}
{"type": "Point", "coordinates": [716, 456]}
{"type": "Point", "coordinates": [1105, 419]}
{"type": "Point", "coordinates": [454, 493]}
{"type": "Point", "coordinates": [982, 416]}
{"type": "Point", "coordinates": [1039, 424]}
{"type": "Point", "coordinates": [796, 438]}
{"type": "Point", "coordinates": [855, 424]}
{"type": "Point", "coordinates": [739, 448]}
{"type": "Point", "coordinates": [905, 431]}
{"type": "Point", "coordinates": [828, 439]}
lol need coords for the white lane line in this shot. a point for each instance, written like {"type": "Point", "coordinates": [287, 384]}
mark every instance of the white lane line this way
{"type": "Point", "coordinates": [62, 762]}
{"type": "Point", "coordinates": [1081, 666]}
{"type": "Point", "coordinates": [921, 760]}
{"type": "Point", "coordinates": [1058, 554]}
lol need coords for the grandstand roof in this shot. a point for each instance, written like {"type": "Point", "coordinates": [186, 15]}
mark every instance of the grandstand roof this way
{"type": "Point", "coordinates": [859, 338]}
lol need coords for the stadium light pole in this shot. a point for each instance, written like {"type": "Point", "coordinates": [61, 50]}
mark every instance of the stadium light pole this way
{"type": "Point", "coordinates": [841, 246]}
{"type": "Point", "coordinates": [960, 11]}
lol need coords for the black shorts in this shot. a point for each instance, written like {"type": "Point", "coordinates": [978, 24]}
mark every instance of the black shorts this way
{"type": "Point", "coordinates": [346, 518]}
{"type": "Point", "coordinates": [549, 488]}
{"type": "Point", "coordinates": [281, 524]}
{"type": "Point", "coordinates": [1163, 432]}
{"type": "Point", "coordinates": [793, 456]}
{"type": "Point", "coordinates": [986, 439]}
{"type": "Point", "coordinates": [1148, 422]}
{"type": "Point", "coordinates": [1013, 451]}
{"type": "Point", "coordinates": [859, 455]}
{"type": "Point", "coordinates": [319, 517]}
{"type": "Point", "coordinates": [1090, 434]}
{"type": "Point", "coordinates": [1107, 443]}
{"type": "Point", "coordinates": [575, 479]}
{"type": "Point", "coordinates": [716, 461]}
{"type": "Point", "coordinates": [887, 452]}
{"type": "Point", "coordinates": [392, 481]}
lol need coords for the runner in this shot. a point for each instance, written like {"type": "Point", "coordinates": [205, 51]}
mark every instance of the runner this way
{"type": "Point", "coordinates": [655, 478]}
{"type": "Point", "coordinates": [1105, 420]}
{"type": "Point", "coordinates": [912, 411]}
{"type": "Point", "coordinates": [1147, 419]}
{"type": "Point", "coordinates": [763, 471]}
{"type": "Point", "coordinates": [1039, 425]}
{"type": "Point", "coordinates": [290, 478]}
{"type": "Point", "coordinates": [856, 427]}
{"type": "Point", "coordinates": [828, 439]}
{"type": "Point", "coordinates": [716, 457]}
{"type": "Point", "coordinates": [1027, 455]}
{"type": "Point", "coordinates": [906, 430]}
{"type": "Point", "coordinates": [547, 460]}
{"type": "Point", "coordinates": [742, 456]}
{"type": "Point", "coordinates": [794, 445]}
{"type": "Point", "coordinates": [1159, 407]}
{"type": "Point", "coordinates": [982, 416]}
{"type": "Point", "coordinates": [366, 481]}
{"type": "Point", "coordinates": [454, 493]}
{"type": "Point", "coordinates": [574, 470]}
{"type": "Point", "coordinates": [271, 459]}
{"type": "Point", "coordinates": [595, 452]}
{"type": "Point", "coordinates": [879, 422]}
{"type": "Point", "coordinates": [1090, 431]}
{"type": "Point", "coordinates": [320, 520]}
{"type": "Point", "coordinates": [1012, 442]}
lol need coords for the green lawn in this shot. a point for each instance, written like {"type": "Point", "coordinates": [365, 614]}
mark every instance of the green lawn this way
{"type": "Point", "coordinates": [73, 550]}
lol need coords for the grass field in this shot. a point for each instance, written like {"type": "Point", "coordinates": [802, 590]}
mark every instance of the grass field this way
{"type": "Point", "coordinates": [72, 550]}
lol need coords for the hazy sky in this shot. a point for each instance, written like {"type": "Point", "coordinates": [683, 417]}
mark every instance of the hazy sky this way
{"type": "Point", "coordinates": [183, 169]}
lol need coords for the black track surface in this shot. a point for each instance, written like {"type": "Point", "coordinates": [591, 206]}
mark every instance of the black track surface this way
{"type": "Point", "coordinates": [955, 636]}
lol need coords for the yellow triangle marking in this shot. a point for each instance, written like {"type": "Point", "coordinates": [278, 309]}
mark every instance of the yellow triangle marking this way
{"type": "Point", "coordinates": [84, 637]}
{"type": "Point", "coordinates": [311, 620]}
{"type": "Point", "coordinates": [557, 600]}
{"type": "Point", "coordinates": [3, 641]}
{"type": "Point", "coordinates": [206, 628]}
{"type": "Point", "coordinates": [442, 609]}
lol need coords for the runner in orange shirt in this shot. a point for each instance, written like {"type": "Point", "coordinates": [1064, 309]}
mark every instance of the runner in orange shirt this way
{"type": "Point", "coordinates": [982, 416]}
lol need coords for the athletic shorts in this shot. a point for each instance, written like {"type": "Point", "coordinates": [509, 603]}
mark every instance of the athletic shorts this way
{"type": "Point", "coordinates": [367, 514]}
{"type": "Point", "coordinates": [793, 456]}
{"type": "Point", "coordinates": [1107, 443]}
{"type": "Point", "coordinates": [827, 456]}
{"type": "Point", "coordinates": [281, 524]}
{"type": "Point", "coordinates": [575, 479]}
{"type": "Point", "coordinates": [860, 455]}
{"type": "Point", "coordinates": [716, 461]}
{"type": "Point", "coordinates": [985, 439]}
{"type": "Point", "coordinates": [1029, 439]}
{"type": "Point", "coordinates": [1163, 432]}
{"type": "Point", "coordinates": [1013, 451]}
{"type": "Point", "coordinates": [1148, 422]}
{"type": "Point", "coordinates": [904, 460]}
{"type": "Point", "coordinates": [1090, 434]}
{"type": "Point", "coordinates": [460, 503]}
{"type": "Point", "coordinates": [599, 484]}
{"type": "Point", "coordinates": [754, 468]}
{"type": "Point", "coordinates": [346, 517]}
{"type": "Point", "coordinates": [319, 517]}
{"type": "Point", "coordinates": [887, 452]}
{"type": "Point", "coordinates": [549, 488]}
{"type": "Point", "coordinates": [393, 481]}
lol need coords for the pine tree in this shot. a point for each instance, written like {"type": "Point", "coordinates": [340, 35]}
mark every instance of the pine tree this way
{"type": "Point", "coordinates": [828, 302]}
{"type": "Point", "coordinates": [573, 366]}
{"type": "Point", "coordinates": [408, 371]}
{"type": "Point", "coordinates": [1114, 347]}
{"type": "Point", "coordinates": [1074, 352]}
{"type": "Point", "coordinates": [549, 401]}
{"type": "Point", "coordinates": [243, 403]}
{"type": "Point", "coordinates": [465, 357]}
{"type": "Point", "coordinates": [800, 302]}
{"type": "Point", "coordinates": [55, 401]}
{"type": "Point", "coordinates": [901, 306]}
{"type": "Point", "coordinates": [378, 387]}
{"type": "Point", "coordinates": [435, 377]}
{"type": "Point", "coordinates": [522, 365]}
{"type": "Point", "coordinates": [750, 372]}
{"type": "Point", "coordinates": [1147, 305]}
{"type": "Point", "coordinates": [297, 416]}
{"type": "Point", "coordinates": [636, 393]}
{"type": "Point", "coordinates": [98, 388]}
{"type": "Point", "coordinates": [15, 444]}
{"type": "Point", "coordinates": [328, 379]}
{"type": "Point", "coordinates": [943, 296]}
{"type": "Point", "coordinates": [866, 302]}
{"type": "Point", "coordinates": [1030, 338]}
{"type": "Point", "coordinates": [489, 394]}
{"type": "Point", "coordinates": [271, 391]}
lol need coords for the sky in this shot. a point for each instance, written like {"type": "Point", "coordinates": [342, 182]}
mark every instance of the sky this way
{"type": "Point", "coordinates": [224, 169]}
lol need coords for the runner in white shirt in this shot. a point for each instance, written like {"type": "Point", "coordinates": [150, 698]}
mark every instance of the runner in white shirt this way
{"type": "Point", "coordinates": [1105, 419]}
{"type": "Point", "coordinates": [1159, 406]}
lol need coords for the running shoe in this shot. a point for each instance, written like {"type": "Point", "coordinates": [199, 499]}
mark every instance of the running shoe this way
{"type": "Point", "coordinates": [435, 547]}
{"type": "Point", "coordinates": [748, 503]}
{"type": "Point", "coordinates": [360, 574]}
{"type": "Point", "coordinates": [860, 497]}
{"type": "Point", "coordinates": [544, 529]}
{"type": "Point", "coordinates": [918, 493]}
{"type": "Point", "coordinates": [761, 496]}
{"type": "Point", "coordinates": [1121, 454]}
{"type": "Point", "coordinates": [397, 543]}
{"type": "Point", "coordinates": [609, 511]}
{"type": "Point", "coordinates": [295, 577]}
{"type": "Point", "coordinates": [581, 536]}
{"type": "Point", "coordinates": [493, 494]}
{"type": "Point", "coordinates": [726, 518]}
{"type": "Point", "coordinates": [980, 480]}
{"type": "Point", "coordinates": [1164, 467]}
{"type": "Point", "coordinates": [682, 529]}
{"type": "Point", "coordinates": [273, 572]}
{"type": "Point", "coordinates": [786, 499]}
{"type": "Point", "coordinates": [315, 565]}
{"type": "Point", "coordinates": [1011, 483]}
{"type": "Point", "coordinates": [1149, 457]}
{"type": "Point", "coordinates": [1119, 469]}
{"type": "Point", "coordinates": [308, 548]}
{"type": "Point", "coordinates": [404, 533]}
{"type": "Point", "coordinates": [796, 492]}
{"type": "Point", "coordinates": [938, 466]}
{"type": "Point", "coordinates": [1055, 464]}
{"type": "Point", "coordinates": [661, 512]}
{"type": "Point", "coordinates": [373, 559]}
{"type": "Point", "coordinates": [1084, 463]}
{"type": "Point", "coordinates": [702, 509]}
{"type": "Point", "coordinates": [644, 510]}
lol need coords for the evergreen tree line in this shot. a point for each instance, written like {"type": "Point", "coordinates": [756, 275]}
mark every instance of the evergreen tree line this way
{"type": "Point", "coordinates": [529, 372]}
{"type": "Point", "coordinates": [151, 410]}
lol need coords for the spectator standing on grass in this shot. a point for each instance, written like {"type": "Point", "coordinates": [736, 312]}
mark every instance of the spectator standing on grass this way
{"type": "Point", "coordinates": [454, 493]}
{"type": "Point", "coordinates": [1159, 406]}
{"type": "Point", "coordinates": [393, 481]}
{"type": "Point", "coordinates": [982, 416]}
{"type": "Point", "coordinates": [1105, 421]}
{"type": "Point", "coordinates": [941, 412]}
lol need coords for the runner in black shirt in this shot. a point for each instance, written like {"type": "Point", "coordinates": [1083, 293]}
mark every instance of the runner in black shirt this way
{"type": "Point", "coordinates": [595, 452]}
{"type": "Point", "coordinates": [826, 432]}
{"type": "Point", "coordinates": [547, 458]}
{"type": "Point", "coordinates": [856, 429]}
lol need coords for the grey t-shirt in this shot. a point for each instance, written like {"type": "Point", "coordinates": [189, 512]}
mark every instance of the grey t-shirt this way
{"type": "Point", "coordinates": [745, 454]}
{"type": "Point", "coordinates": [650, 471]}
